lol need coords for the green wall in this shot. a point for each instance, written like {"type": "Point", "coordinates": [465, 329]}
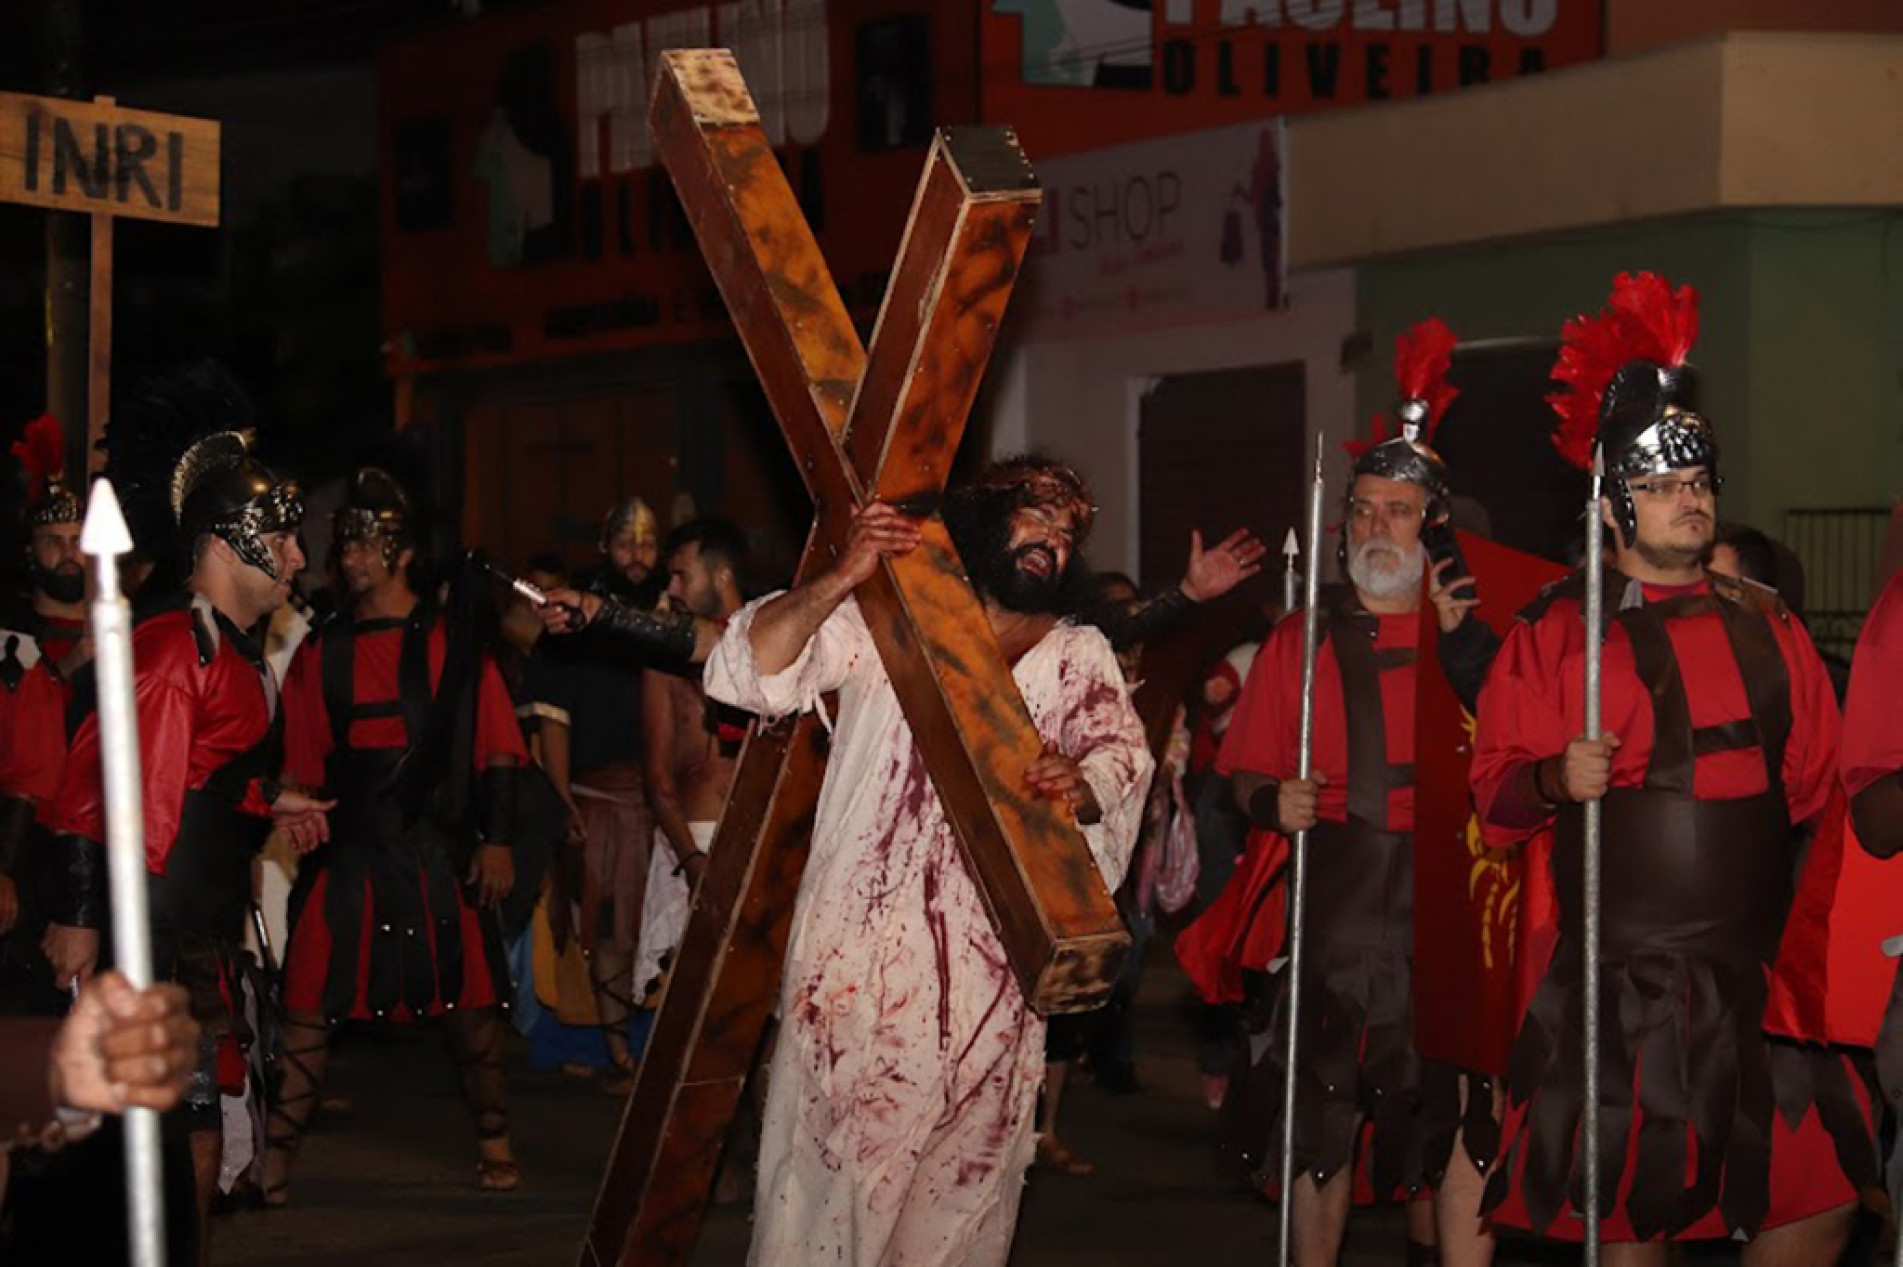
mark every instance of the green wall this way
{"type": "Point", "coordinates": [1800, 351]}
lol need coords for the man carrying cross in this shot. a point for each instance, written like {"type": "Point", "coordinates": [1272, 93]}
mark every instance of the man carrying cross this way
{"type": "Point", "coordinates": [899, 1120]}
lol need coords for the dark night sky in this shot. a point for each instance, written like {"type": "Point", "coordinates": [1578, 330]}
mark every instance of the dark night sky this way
{"type": "Point", "coordinates": [127, 41]}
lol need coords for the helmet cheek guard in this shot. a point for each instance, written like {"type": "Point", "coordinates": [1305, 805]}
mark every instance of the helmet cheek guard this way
{"type": "Point", "coordinates": [1625, 512]}
{"type": "Point", "coordinates": [357, 524]}
{"type": "Point", "coordinates": [376, 509]}
{"type": "Point", "coordinates": [277, 509]}
{"type": "Point", "coordinates": [220, 490]}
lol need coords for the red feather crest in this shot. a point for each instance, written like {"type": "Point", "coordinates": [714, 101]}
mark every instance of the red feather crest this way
{"type": "Point", "coordinates": [1644, 320]}
{"type": "Point", "coordinates": [1421, 360]}
{"type": "Point", "coordinates": [41, 452]}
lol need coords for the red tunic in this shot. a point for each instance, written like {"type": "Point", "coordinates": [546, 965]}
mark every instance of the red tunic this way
{"type": "Point", "coordinates": [309, 741]}
{"type": "Point", "coordinates": [33, 713]}
{"type": "Point", "coordinates": [1264, 737]}
{"type": "Point", "coordinates": [308, 734]}
{"type": "Point", "coordinates": [194, 719]}
{"type": "Point", "coordinates": [1532, 706]}
{"type": "Point", "coordinates": [33, 735]}
{"type": "Point", "coordinates": [1244, 928]}
{"type": "Point", "coordinates": [1873, 720]}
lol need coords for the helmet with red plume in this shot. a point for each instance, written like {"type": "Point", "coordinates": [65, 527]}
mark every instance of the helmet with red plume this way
{"type": "Point", "coordinates": [1422, 358]}
{"type": "Point", "coordinates": [41, 452]}
{"type": "Point", "coordinates": [1624, 389]}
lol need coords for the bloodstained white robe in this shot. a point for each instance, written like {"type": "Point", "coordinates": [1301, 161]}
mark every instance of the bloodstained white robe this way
{"type": "Point", "coordinates": [902, 1091]}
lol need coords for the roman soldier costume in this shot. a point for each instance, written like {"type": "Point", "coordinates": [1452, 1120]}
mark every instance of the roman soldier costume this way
{"type": "Point", "coordinates": [1355, 1050]}
{"type": "Point", "coordinates": [1728, 733]}
{"type": "Point", "coordinates": [36, 655]}
{"type": "Point", "coordinates": [407, 724]}
{"type": "Point", "coordinates": [210, 743]}
{"type": "Point", "coordinates": [410, 728]}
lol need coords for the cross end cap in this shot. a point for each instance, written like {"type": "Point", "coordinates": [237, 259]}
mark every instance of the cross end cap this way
{"type": "Point", "coordinates": [989, 161]}
{"type": "Point", "coordinates": [710, 85]}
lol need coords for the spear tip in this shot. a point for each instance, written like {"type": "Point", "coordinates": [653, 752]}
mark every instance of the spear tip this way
{"type": "Point", "coordinates": [105, 531]}
{"type": "Point", "coordinates": [1291, 544]}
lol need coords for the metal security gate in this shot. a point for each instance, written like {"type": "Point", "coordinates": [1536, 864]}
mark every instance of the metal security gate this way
{"type": "Point", "coordinates": [1841, 551]}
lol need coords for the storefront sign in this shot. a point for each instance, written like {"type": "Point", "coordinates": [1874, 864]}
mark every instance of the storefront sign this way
{"type": "Point", "coordinates": [1077, 75]}
{"type": "Point", "coordinates": [1161, 233]}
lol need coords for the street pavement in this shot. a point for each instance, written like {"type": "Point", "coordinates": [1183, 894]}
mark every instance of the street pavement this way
{"type": "Point", "coordinates": [392, 1180]}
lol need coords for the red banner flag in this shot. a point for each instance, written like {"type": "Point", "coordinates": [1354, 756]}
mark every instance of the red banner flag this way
{"type": "Point", "coordinates": [1468, 900]}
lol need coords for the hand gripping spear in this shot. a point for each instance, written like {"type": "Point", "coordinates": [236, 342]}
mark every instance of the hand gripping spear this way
{"type": "Point", "coordinates": [1298, 850]}
{"type": "Point", "coordinates": [104, 538]}
{"type": "Point", "coordinates": [1589, 858]}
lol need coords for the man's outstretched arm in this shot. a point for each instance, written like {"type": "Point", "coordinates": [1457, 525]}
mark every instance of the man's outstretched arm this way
{"type": "Point", "coordinates": [663, 638]}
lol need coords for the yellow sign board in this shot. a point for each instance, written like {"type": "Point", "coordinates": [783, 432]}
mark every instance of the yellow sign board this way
{"type": "Point", "coordinates": [94, 157]}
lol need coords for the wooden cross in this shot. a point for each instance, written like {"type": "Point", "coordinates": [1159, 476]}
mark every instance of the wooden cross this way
{"type": "Point", "coordinates": [884, 426]}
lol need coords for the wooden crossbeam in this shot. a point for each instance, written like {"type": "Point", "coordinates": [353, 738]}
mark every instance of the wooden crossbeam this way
{"type": "Point", "coordinates": [884, 426]}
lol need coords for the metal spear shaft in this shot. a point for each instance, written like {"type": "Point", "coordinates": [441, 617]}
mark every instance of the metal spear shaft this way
{"type": "Point", "coordinates": [1298, 849]}
{"type": "Point", "coordinates": [1589, 861]}
{"type": "Point", "coordinates": [1291, 575]}
{"type": "Point", "coordinates": [104, 538]}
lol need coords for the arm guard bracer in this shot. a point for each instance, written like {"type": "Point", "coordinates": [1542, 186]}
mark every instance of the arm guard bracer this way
{"type": "Point", "coordinates": [1127, 625]}
{"type": "Point", "coordinates": [78, 897]}
{"type": "Point", "coordinates": [662, 637]}
{"type": "Point", "coordinates": [1265, 806]}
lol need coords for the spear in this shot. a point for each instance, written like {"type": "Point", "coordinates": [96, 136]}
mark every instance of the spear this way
{"type": "Point", "coordinates": [1291, 578]}
{"type": "Point", "coordinates": [104, 538]}
{"type": "Point", "coordinates": [1589, 860]}
{"type": "Point", "coordinates": [1298, 848]}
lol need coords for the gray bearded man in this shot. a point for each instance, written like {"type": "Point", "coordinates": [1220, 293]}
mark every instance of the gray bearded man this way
{"type": "Point", "coordinates": [1357, 1065]}
{"type": "Point", "coordinates": [899, 1116]}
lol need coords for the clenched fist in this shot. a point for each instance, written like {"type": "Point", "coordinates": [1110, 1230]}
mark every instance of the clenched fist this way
{"type": "Point", "coordinates": [1585, 768]}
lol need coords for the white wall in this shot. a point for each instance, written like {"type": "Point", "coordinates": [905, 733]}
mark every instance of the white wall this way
{"type": "Point", "coordinates": [1079, 399]}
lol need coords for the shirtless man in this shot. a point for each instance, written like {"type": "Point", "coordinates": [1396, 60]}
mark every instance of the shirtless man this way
{"type": "Point", "coordinates": [690, 744]}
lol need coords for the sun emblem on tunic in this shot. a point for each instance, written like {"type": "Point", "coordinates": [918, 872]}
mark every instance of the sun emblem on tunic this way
{"type": "Point", "coordinates": [1493, 886]}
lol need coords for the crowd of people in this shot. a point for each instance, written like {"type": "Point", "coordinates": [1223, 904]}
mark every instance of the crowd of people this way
{"type": "Point", "coordinates": [488, 806]}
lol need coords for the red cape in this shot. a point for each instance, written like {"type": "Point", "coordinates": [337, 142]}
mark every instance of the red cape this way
{"type": "Point", "coordinates": [1473, 907]}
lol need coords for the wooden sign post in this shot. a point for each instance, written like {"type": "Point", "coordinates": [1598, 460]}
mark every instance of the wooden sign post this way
{"type": "Point", "coordinates": [884, 426]}
{"type": "Point", "coordinates": [93, 157]}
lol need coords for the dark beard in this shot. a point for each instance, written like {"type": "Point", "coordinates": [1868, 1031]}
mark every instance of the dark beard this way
{"type": "Point", "coordinates": [995, 573]}
{"type": "Point", "coordinates": [980, 525]}
{"type": "Point", "coordinates": [61, 587]}
{"type": "Point", "coordinates": [1016, 590]}
{"type": "Point", "coordinates": [1674, 558]}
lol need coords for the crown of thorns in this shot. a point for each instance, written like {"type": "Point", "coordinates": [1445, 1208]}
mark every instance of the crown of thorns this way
{"type": "Point", "coordinates": [1043, 482]}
